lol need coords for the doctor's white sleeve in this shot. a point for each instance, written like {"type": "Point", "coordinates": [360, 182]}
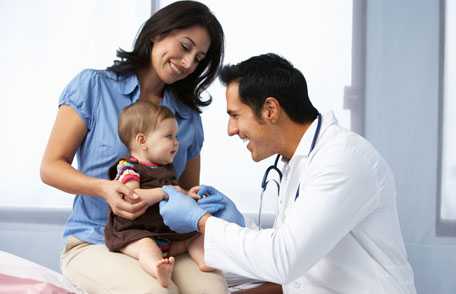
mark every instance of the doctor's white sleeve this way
{"type": "Point", "coordinates": [340, 191]}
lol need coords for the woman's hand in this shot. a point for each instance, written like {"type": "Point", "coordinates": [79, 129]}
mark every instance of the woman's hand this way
{"type": "Point", "coordinates": [122, 200]}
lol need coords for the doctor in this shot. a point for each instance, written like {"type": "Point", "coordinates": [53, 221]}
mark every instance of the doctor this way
{"type": "Point", "coordinates": [337, 230]}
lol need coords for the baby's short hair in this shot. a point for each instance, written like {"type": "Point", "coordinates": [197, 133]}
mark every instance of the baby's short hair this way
{"type": "Point", "coordinates": [141, 117]}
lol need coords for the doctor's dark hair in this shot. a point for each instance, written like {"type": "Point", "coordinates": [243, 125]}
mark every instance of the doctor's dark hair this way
{"type": "Point", "coordinates": [178, 15]}
{"type": "Point", "coordinates": [270, 75]}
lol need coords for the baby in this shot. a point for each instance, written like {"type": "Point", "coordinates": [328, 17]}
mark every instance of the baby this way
{"type": "Point", "coordinates": [149, 132]}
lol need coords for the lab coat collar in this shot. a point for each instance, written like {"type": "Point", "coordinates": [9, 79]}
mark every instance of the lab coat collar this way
{"type": "Point", "coordinates": [305, 143]}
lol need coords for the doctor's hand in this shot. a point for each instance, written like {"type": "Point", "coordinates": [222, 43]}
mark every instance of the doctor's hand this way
{"type": "Point", "coordinates": [180, 212]}
{"type": "Point", "coordinates": [211, 198]}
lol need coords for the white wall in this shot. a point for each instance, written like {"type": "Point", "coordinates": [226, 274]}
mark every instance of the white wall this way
{"type": "Point", "coordinates": [402, 121]}
{"type": "Point", "coordinates": [44, 44]}
{"type": "Point", "coordinates": [402, 117]}
{"type": "Point", "coordinates": [448, 182]}
{"type": "Point", "coordinates": [48, 42]}
{"type": "Point", "coordinates": [315, 36]}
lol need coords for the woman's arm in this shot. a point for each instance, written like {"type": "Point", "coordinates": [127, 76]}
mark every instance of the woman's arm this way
{"type": "Point", "coordinates": [67, 135]}
{"type": "Point", "coordinates": [191, 175]}
{"type": "Point", "coordinates": [56, 170]}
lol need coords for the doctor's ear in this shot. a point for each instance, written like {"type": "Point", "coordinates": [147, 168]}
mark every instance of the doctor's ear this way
{"type": "Point", "coordinates": [271, 109]}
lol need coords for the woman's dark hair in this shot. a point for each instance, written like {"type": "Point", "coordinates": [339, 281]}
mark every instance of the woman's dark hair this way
{"type": "Point", "coordinates": [270, 75]}
{"type": "Point", "coordinates": [178, 15]}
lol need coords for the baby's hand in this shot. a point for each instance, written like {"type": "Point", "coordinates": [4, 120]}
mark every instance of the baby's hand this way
{"type": "Point", "coordinates": [193, 192]}
{"type": "Point", "coordinates": [151, 196]}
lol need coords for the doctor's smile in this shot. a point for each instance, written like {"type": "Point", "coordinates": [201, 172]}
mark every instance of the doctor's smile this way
{"type": "Point", "coordinates": [329, 198]}
{"type": "Point", "coordinates": [250, 128]}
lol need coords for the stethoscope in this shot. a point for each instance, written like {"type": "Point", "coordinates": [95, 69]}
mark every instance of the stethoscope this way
{"type": "Point", "coordinates": [266, 180]}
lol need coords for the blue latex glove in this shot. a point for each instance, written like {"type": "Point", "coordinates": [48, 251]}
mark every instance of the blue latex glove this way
{"type": "Point", "coordinates": [211, 199]}
{"type": "Point", "coordinates": [180, 212]}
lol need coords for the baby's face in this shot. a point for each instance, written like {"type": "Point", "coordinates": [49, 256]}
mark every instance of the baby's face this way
{"type": "Point", "coordinates": [162, 143]}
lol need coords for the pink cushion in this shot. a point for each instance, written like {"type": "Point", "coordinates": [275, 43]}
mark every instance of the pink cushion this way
{"type": "Point", "coordinates": [15, 285]}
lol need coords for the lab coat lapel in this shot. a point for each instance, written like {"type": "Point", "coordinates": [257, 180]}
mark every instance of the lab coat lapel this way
{"type": "Point", "coordinates": [295, 169]}
{"type": "Point", "coordinates": [291, 173]}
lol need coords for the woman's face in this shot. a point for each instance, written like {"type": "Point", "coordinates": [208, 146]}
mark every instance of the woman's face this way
{"type": "Point", "coordinates": [176, 55]}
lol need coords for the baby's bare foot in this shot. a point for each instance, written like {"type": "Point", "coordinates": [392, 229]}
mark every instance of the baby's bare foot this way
{"type": "Point", "coordinates": [164, 270]}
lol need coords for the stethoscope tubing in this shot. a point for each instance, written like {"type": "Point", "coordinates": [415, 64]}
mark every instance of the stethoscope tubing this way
{"type": "Point", "coordinates": [265, 181]}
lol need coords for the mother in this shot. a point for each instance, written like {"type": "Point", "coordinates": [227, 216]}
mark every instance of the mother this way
{"type": "Point", "coordinates": [176, 56]}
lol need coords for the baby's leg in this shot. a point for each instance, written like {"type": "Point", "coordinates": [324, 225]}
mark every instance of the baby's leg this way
{"type": "Point", "coordinates": [196, 251]}
{"type": "Point", "coordinates": [151, 260]}
{"type": "Point", "coordinates": [179, 247]}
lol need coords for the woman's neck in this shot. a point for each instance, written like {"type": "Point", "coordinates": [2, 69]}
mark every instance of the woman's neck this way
{"type": "Point", "coordinates": [151, 85]}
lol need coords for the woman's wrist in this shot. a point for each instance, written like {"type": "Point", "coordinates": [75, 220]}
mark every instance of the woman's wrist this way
{"type": "Point", "coordinates": [98, 187]}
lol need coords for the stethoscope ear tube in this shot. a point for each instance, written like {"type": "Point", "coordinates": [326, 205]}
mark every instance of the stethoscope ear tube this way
{"type": "Point", "coordinates": [265, 181]}
{"type": "Point", "coordinates": [272, 167]}
{"type": "Point", "coordinates": [261, 198]}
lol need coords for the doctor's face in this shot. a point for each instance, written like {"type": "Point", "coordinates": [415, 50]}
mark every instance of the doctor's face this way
{"type": "Point", "coordinates": [244, 123]}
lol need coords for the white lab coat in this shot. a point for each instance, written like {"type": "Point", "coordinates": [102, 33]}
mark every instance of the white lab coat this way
{"type": "Point", "coordinates": [342, 233]}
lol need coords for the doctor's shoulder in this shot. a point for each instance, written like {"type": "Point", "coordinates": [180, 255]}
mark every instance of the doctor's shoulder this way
{"type": "Point", "coordinates": [345, 151]}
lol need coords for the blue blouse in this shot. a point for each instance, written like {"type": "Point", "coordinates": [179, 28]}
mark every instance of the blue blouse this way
{"type": "Point", "coordinates": [98, 96]}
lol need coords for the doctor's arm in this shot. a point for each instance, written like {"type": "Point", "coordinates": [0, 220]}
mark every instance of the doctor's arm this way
{"type": "Point", "coordinates": [339, 193]}
{"type": "Point", "coordinates": [180, 213]}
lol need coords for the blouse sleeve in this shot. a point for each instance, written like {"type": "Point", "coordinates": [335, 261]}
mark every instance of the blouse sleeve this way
{"type": "Point", "coordinates": [79, 95]}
